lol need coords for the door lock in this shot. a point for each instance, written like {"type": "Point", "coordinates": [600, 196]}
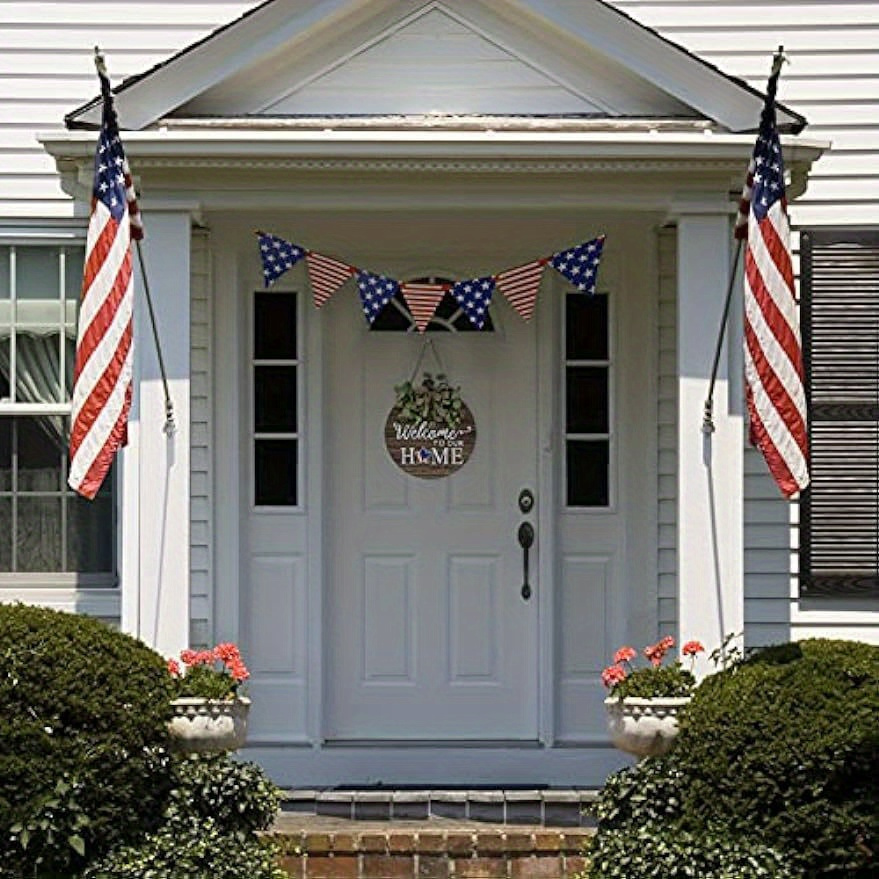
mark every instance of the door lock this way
{"type": "Point", "coordinates": [526, 500]}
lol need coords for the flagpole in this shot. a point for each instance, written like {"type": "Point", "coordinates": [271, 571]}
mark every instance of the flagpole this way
{"type": "Point", "coordinates": [708, 412]}
{"type": "Point", "coordinates": [170, 427]}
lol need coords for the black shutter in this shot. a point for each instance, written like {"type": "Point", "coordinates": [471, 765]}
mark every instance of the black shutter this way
{"type": "Point", "coordinates": [839, 527]}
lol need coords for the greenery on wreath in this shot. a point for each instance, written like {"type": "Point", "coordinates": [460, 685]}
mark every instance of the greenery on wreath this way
{"type": "Point", "coordinates": [654, 680]}
{"type": "Point", "coordinates": [433, 400]}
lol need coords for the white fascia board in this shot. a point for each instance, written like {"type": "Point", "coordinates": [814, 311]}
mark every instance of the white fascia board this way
{"type": "Point", "coordinates": [329, 144]}
{"type": "Point", "coordinates": [650, 55]}
{"type": "Point", "coordinates": [267, 29]}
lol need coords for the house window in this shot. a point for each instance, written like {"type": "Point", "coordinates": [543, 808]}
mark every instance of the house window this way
{"type": "Point", "coordinates": [44, 527]}
{"type": "Point", "coordinates": [275, 394]}
{"type": "Point", "coordinates": [587, 401]}
{"type": "Point", "coordinates": [839, 521]}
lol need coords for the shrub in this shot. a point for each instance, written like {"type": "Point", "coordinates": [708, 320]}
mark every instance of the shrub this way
{"type": "Point", "coordinates": [83, 765]}
{"type": "Point", "coordinates": [784, 748]}
{"type": "Point", "coordinates": [208, 827]}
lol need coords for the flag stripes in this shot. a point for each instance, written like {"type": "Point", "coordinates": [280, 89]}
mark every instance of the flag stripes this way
{"type": "Point", "coordinates": [104, 351]}
{"type": "Point", "coordinates": [520, 286]}
{"type": "Point", "coordinates": [422, 300]}
{"type": "Point", "coordinates": [326, 275]}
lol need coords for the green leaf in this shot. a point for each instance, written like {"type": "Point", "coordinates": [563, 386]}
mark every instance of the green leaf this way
{"type": "Point", "coordinates": [77, 843]}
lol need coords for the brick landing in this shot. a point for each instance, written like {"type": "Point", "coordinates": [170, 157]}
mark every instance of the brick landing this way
{"type": "Point", "coordinates": [326, 848]}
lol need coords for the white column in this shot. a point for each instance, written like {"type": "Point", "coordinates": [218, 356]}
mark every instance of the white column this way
{"type": "Point", "coordinates": [155, 471]}
{"type": "Point", "coordinates": [710, 467]}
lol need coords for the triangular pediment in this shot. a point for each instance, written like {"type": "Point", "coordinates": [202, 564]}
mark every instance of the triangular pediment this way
{"type": "Point", "coordinates": [289, 58]}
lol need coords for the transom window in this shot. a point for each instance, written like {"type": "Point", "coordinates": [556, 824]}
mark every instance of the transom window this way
{"type": "Point", "coordinates": [587, 416]}
{"type": "Point", "coordinates": [44, 527]}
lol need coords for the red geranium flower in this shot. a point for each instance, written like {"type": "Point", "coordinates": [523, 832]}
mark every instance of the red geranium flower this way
{"type": "Point", "coordinates": [624, 654]}
{"type": "Point", "coordinates": [691, 648]}
{"type": "Point", "coordinates": [613, 674]}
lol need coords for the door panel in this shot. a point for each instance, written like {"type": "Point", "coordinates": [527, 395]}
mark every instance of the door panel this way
{"type": "Point", "coordinates": [427, 635]}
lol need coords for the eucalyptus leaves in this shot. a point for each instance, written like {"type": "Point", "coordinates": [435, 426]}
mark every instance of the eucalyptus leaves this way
{"type": "Point", "coordinates": [434, 400]}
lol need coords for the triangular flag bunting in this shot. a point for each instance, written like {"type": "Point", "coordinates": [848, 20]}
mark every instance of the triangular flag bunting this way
{"type": "Point", "coordinates": [326, 275]}
{"type": "Point", "coordinates": [376, 291]}
{"type": "Point", "coordinates": [520, 286]}
{"type": "Point", "coordinates": [580, 264]}
{"type": "Point", "coordinates": [277, 256]}
{"type": "Point", "coordinates": [422, 300]}
{"type": "Point", "coordinates": [474, 296]}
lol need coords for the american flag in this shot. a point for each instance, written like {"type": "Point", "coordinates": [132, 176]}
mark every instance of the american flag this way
{"type": "Point", "coordinates": [580, 264]}
{"type": "Point", "coordinates": [422, 300]}
{"type": "Point", "coordinates": [103, 365]}
{"type": "Point", "coordinates": [277, 255]}
{"type": "Point", "coordinates": [520, 286]}
{"type": "Point", "coordinates": [773, 354]}
{"type": "Point", "coordinates": [474, 296]}
{"type": "Point", "coordinates": [376, 291]}
{"type": "Point", "coordinates": [326, 275]}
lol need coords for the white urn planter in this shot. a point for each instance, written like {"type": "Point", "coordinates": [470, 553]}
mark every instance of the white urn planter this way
{"type": "Point", "coordinates": [644, 727]}
{"type": "Point", "coordinates": [202, 725]}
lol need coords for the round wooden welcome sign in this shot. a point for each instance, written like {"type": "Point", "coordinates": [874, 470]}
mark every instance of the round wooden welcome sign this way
{"type": "Point", "coordinates": [429, 449]}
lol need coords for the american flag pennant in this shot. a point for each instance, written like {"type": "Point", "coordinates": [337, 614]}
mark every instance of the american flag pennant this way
{"type": "Point", "coordinates": [376, 291]}
{"type": "Point", "coordinates": [326, 275]}
{"type": "Point", "coordinates": [277, 255]}
{"type": "Point", "coordinates": [474, 296]}
{"type": "Point", "coordinates": [104, 351]}
{"type": "Point", "coordinates": [422, 300]}
{"type": "Point", "coordinates": [520, 286]}
{"type": "Point", "coordinates": [774, 389]}
{"type": "Point", "coordinates": [580, 264]}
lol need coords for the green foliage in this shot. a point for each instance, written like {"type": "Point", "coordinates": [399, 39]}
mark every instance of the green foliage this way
{"type": "Point", "coordinates": [194, 847]}
{"type": "Point", "coordinates": [239, 797]}
{"type": "Point", "coordinates": [208, 828]}
{"type": "Point", "coordinates": [663, 681]}
{"type": "Point", "coordinates": [773, 775]}
{"type": "Point", "coordinates": [206, 682]}
{"type": "Point", "coordinates": [83, 765]}
{"type": "Point", "coordinates": [784, 747]}
{"type": "Point", "coordinates": [433, 400]}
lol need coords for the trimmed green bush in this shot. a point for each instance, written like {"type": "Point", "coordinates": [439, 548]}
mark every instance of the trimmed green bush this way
{"type": "Point", "coordinates": [208, 828]}
{"type": "Point", "coordinates": [784, 747]}
{"type": "Point", "coordinates": [773, 775]}
{"type": "Point", "coordinates": [83, 760]}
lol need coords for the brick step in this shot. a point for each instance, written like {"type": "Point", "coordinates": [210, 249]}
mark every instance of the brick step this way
{"type": "Point", "coordinates": [552, 807]}
{"type": "Point", "coordinates": [326, 848]}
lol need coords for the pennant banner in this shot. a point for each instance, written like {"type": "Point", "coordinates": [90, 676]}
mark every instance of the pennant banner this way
{"type": "Point", "coordinates": [376, 291]}
{"type": "Point", "coordinates": [520, 286]}
{"type": "Point", "coordinates": [423, 300]}
{"type": "Point", "coordinates": [474, 296]}
{"type": "Point", "coordinates": [277, 256]}
{"type": "Point", "coordinates": [580, 264]}
{"type": "Point", "coordinates": [326, 276]}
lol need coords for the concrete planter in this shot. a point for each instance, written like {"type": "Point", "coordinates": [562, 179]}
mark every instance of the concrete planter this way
{"type": "Point", "coordinates": [202, 725]}
{"type": "Point", "coordinates": [644, 727]}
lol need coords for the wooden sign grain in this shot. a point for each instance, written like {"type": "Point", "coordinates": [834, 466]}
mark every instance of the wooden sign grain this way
{"type": "Point", "coordinates": [427, 449]}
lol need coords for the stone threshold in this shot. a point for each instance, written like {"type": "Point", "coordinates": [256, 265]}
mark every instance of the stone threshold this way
{"type": "Point", "coordinates": [326, 848]}
{"type": "Point", "coordinates": [551, 807]}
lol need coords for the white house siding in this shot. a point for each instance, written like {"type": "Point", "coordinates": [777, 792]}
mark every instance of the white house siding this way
{"type": "Point", "coordinates": [46, 70]}
{"type": "Point", "coordinates": [200, 433]}
{"type": "Point", "coordinates": [833, 80]}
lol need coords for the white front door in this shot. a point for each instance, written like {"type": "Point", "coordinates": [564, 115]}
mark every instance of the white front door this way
{"type": "Point", "coordinates": [428, 636]}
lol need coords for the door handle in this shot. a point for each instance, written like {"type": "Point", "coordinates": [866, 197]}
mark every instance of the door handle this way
{"type": "Point", "coordinates": [525, 535]}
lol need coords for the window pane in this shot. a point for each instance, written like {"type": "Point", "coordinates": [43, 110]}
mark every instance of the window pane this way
{"type": "Point", "coordinates": [38, 544]}
{"type": "Point", "coordinates": [4, 366]}
{"type": "Point", "coordinates": [73, 262]}
{"type": "Point", "coordinates": [5, 533]}
{"type": "Point", "coordinates": [588, 462]}
{"type": "Point", "coordinates": [275, 399]}
{"type": "Point", "coordinates": [276, 468]}
{"type": "Point", "coordinates": [90, 533]}
{"type": "Point", "coordinates": [37, 367]}
{"type": "Point", "coordinates": [275, 326]}
{"type": "Point", "coordinates": [586, 328]}
{"type": "Point", "coordinates": [36, 273]}
{"type": "Point", "coordinates": [587, 400]}
{"type": "Point", "coordinates": [5, 453]}
{"type": "Point", "coordinates": [4, 273]}
{"type": "Point", "coordinates": [40, 446]}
